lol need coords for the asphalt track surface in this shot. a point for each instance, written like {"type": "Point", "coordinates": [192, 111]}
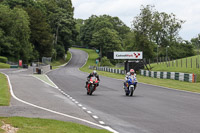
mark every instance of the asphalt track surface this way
{"type": "Point", "coordinates": [152, 109]}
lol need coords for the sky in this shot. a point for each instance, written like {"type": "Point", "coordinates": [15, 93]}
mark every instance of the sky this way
{"type": "Point", "coordinates": [126, 10]}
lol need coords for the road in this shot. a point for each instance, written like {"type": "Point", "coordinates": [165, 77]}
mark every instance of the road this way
{"type": "Point", "coordinates": [152, 109]}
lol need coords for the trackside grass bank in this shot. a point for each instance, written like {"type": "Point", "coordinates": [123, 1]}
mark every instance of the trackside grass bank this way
{"type": "Point", "coordinates": [3, 65]}
{"type": "Point", "coordinates": [193, 87]}
{"type": "Point", "coordinates": [57, 63]}
{"type": "Point", "coordinates": [4, 91]}
{"type": "Point", "coordinates": [92, 55]}
{"type": "Point", "coordinates": [37, 125]}
{"type": "Point", "coordinates": [184, 65]}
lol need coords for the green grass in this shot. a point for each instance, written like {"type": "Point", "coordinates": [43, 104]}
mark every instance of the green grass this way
{"type": "Point", "coordinates": [187, 86]}
{"type": "Point", "coordinates": [175, 68]}
{"type": "Point", "coordinates": [44, 78]}
{"type": "Point", "coordinates": [4, 91]}
{"type": "Point", "coordinates": [57, 63]}
{"type": "Point", "coordinates": [3, 65]}
{"type": "Point", "coordinates": [37, 125]}
{"type": "Point", "coordinates": [92, 55]}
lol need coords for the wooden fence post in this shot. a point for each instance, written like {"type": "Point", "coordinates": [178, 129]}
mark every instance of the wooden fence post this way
{"type": "Point", "coordinates": [186, 62]}
{"type": "Point", "coordinates": [181, 62]}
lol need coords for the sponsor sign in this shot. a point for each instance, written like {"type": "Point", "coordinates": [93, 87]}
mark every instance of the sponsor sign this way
{"type": "Point", "coordinates": [128, 55]}
{"type": "Point", "coordinates": [20, 63]}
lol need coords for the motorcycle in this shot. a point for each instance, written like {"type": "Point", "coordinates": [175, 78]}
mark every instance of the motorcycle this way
{"type": "Point", "coordinates": [130, 85]}
{"type": "Point", "coordinates": [92, 85]}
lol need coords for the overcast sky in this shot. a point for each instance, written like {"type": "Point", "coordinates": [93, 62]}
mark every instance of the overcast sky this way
{"type": "Point", "coordinates": [126, 10]}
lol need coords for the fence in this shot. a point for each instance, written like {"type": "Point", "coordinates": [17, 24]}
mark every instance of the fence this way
{"type": "Point", "coordinates": [162, 75]}
{"type": "Point", "coordinates": [190, 62]}
{"type": "Point", "coordinates": [170, 75]}
{"type": "Point", "coordinates": [106, 69]}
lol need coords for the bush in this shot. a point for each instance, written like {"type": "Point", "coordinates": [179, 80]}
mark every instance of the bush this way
{"type": "Point", "coordinates": [3, 59]}
{"type": "Point", "coordinates": [105, 62]}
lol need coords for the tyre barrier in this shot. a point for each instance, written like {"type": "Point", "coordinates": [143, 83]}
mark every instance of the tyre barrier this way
{"type": "Point", "coordinates": [170, 75]}
{"type": "Point", "coordinates": [107, 69]}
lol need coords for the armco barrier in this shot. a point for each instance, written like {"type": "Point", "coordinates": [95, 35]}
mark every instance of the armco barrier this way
{"type": "Point", "coordinates": [170, 75]}
{"type": "Point", "coordinates": [42, 69]}
{"type": "Point", "coordinates": [107, 69]}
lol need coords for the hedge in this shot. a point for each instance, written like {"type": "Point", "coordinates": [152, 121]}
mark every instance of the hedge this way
{"type": "Point", "coordinates": [3, 59]}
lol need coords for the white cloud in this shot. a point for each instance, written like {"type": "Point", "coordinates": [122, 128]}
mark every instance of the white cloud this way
{"type": "Point", "coordinates": [126, 10]}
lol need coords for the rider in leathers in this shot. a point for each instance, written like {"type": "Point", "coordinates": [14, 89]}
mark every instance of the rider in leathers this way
{"type": "Point", "coordinates": [94, 73]}
{"type": "Point", "coordinates": [130, 73]}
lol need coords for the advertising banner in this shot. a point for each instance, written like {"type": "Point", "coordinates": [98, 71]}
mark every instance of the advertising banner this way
{"type": "Point", "coordinates": [20, 63]}
{"type": "Point", "coordinates": [128, 55]}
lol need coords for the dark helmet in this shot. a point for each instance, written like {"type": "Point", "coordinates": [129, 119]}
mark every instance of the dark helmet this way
{"type": "Point", "coordinates": [132, 71]}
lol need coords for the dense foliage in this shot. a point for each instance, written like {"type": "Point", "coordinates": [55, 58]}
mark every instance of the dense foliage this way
{"type": "Point", "coordinates": [104, 33]}
{"type": "Point", "coordinates": [155, 32]}
{"type": "Point", "coordinates": [3, 59]}
{"type": "Point", "coordinates": [152, 32]}
{"type": "Point", "coordinates": [32, 29]}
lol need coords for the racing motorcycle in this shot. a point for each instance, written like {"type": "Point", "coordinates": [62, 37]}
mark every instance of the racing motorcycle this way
{"type": "Point", "coordinates": [92, 85]}
{"type": "Point", "coordinates": [130, 85]}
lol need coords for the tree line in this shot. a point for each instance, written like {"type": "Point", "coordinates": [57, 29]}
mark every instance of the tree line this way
{"type": "Point", "coordinates": [31, 29]}
{"type": "Point", "coordinates": [152, 32]}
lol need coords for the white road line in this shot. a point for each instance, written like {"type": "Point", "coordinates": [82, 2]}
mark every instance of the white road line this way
{"type": "Point", "coordinates": [85, 60]}
{"type": "Point", "coordinates": [55, 112]}
{"type": "Point", "coordinates": [51, 81]}
{"type": "Point", "coordinates": [45, 82]}
{"type": "Point", "coordinates": [89, 112]}
{"type": "Point", "coordinates": [101, 122]}
{"type": "Point", "coordinates": [94, 116]}
{"type": "Point", "coordinates": [80, 105]}
{"type": "Point", "coordinates": [84, 108]}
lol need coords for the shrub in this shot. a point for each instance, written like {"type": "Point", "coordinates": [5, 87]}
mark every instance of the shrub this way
{"type": "Point", "coordinates": [105, 62]}
{"type": "Point", "coordinates": [3, 59]}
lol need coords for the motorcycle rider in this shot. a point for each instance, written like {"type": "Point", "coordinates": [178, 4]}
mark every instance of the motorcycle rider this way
{"type": "Point", "coordinates": [94, 73]}
{"type": "Point", "coordinates": [130, 73]}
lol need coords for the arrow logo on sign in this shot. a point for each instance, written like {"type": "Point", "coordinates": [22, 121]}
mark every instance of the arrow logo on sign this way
{"type": "Point", "coordinates": [136, 55]}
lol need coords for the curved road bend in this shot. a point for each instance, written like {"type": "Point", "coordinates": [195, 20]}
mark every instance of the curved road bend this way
{"type": "Point", "coordinates": [31, 90]}
{"type": "Point", "coordinates": [151, 109]}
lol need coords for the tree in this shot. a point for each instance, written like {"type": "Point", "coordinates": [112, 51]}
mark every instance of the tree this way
{"type": "Point", "coordinates": [60, 17]}
{"type": "Point", "coordinates": [15, 34]}
{"type": "Point", "coordinates": [156, 29]}
{"type": "Point", "coordinates": [106, 40]}
{"type": "Point", "coordinates": [96, 23]}
{"type": "Point", "coordinates": [40, 36]}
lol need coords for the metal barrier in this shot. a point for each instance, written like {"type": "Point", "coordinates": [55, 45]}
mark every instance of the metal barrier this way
{"type": "Point", "coordinates": [107, 69]}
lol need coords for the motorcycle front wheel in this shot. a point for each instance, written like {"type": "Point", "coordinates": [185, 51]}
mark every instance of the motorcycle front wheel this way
{"type": "Point", "coordinates": [91, 90]}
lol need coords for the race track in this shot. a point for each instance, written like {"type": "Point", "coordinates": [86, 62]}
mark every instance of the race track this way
{"type": "Point", "coordinates": [152, 109]}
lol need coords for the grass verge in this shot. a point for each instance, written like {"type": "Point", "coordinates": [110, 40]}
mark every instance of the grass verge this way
{"type": "Point", "coordinates": [3, 65]}
{"type": "Point", "coordinates": [4, 91]}
{"type": "Point", "coordinates": [184, 65]}
{"type": "Point", "coordinates": [57, 63]}
{"type": "Point", "coordinates": [180, 85]}
{"type": "Point", "coordinates": [33, 125]}
{"type": "Point", "coordinates": [44, 78]}
{"type": "Point", "coordinates": [37, 125]}
{"type": "Point", "coordinates": [92, 55]}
